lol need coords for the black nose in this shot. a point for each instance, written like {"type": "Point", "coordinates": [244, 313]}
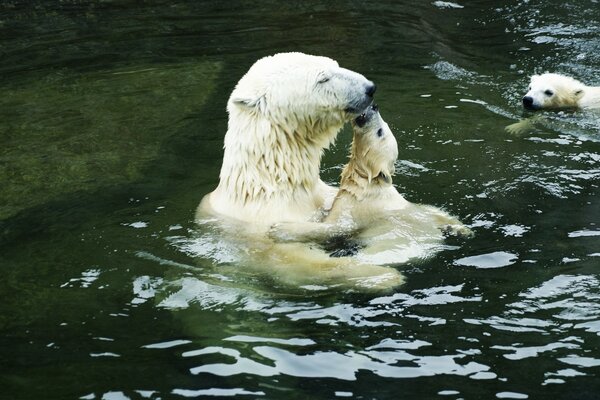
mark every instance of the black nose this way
{"type": "Point", "coordinates": [527, 101]}
{"type": "Point", "coordinates": [371, 88]}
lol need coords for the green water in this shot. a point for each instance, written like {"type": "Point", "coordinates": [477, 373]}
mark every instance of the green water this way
{"type": "Point", "coordinates": [112, 118]}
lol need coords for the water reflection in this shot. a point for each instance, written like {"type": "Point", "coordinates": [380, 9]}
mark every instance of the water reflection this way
{"type": "Point", "coordinates": [216, 392]}
{"type": "Point", "coordinates": [300, 357]}
{"type": "Point", "coordinates": [242, 255]}
{"type": "Point", "coordinates": [342, 366]}
{"type": "Point", "coordinates": [558, 307]}
{"type": "Point", "coordinates": [496, 259]}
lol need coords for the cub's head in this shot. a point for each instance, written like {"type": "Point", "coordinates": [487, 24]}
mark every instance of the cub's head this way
{"type": "Point", "coordinates": [301, 93]}
{"type": "Point", "coordinates": [374, 146]}
{"type": "Point", "coordinates": [553, 92]}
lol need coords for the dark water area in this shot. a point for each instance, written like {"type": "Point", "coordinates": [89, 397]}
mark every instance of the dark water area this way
{"type": "Point", "coordinates": [111, 130]}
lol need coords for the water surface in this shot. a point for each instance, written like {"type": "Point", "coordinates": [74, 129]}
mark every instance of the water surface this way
{"type": "Point", "coordinates": [111, 126]}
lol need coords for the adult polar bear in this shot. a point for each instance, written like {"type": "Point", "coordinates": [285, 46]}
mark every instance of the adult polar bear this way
{"type": "Point", "coordinates": [283, 113]}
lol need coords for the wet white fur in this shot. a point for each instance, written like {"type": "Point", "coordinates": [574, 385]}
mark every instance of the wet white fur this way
{"type": "Point", "coordinates": [283, 113]}
{"type": "Point", "coordinates": [556, 91]}
{"type": "Point", "coordinates": [370, 208]}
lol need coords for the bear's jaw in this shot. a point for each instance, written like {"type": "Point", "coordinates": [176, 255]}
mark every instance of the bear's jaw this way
{"type": "Point", "coordinates": [357, 182]}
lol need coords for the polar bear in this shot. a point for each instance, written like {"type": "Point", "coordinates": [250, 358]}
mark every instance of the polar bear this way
{"type": "Point", "coordinates": [368, 208]}
{"type": "Point", "coordinates": [556, 92]}
{"type": "Point", "coordinates": [283, 113]}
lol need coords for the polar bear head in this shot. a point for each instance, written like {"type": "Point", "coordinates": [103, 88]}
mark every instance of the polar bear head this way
{"type": "Point", "coordinates": [553, 91]}
{"type": "Point", "coordinates": [374, 147]}
{"type": "Point", "coordinates": [301, 94]}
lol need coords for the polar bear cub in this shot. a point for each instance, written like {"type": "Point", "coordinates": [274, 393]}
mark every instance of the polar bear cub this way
{"type": "Point", "coordinates": [556, 91]}
{"type": "Point", "coordinates": [283, 113]}
{"type": "Point", "coordinates": [370, 209]}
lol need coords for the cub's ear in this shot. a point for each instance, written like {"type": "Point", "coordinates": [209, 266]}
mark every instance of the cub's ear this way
{"type": "Point", "coordinates": [258, 103]}
{"type": "Point", "coordinates": [534, 77]}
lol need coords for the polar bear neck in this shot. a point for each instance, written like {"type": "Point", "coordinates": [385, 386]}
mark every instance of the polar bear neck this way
{"type": "Point", "coordinates": [356, 181]}
{"type": "Point", "coordinates": [264, 161]}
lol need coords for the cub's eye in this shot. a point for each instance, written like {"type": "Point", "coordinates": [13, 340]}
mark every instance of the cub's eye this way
{"type": "Point", "coordinates": [323, 79]}
{"type": "Point", "coordinates": [380, 132]}
{"type": "Point", "coordinates": [548, 92]}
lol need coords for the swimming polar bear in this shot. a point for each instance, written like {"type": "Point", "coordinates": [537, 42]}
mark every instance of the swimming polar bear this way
{"type": "Point", "coordinates": [283, 113]}
{"type": "Point", "coordinates": [555, 92]}
{"type": "Point", "coordinates": [369, 210]}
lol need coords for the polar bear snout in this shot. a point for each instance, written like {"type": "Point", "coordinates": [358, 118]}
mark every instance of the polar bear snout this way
{"type": "Point", "coordinates": [363, 99]}
{"type": "Point", "coordinates": [358, 89]}
{"type": "Point", "coordinates": [371, 88]}
{"type": "Point", "coordinates": [528, 102]}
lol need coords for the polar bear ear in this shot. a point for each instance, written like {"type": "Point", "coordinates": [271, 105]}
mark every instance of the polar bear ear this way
{"type": "Point", "coordinates": [258, 103]}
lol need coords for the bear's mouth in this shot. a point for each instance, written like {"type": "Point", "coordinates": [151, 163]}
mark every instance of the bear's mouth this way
{"type": "Point", "coordinates": [532, 107]}
{"type": "Point", "coordinates": [359, 107]}
{"type": "Point", "coordinates": [356, 110]}
{"type": "Point", "coordinates": [363, 118]}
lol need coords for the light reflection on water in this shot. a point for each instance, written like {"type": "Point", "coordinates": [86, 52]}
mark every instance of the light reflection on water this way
{"type": "Point", "coordinates": [339, 366]}
{"type": "Point", "coordinates": [568, 302]}
{"type": "Point", "coordinates": [386, 358]}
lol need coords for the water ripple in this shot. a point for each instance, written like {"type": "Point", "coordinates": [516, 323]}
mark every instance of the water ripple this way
{"type": "Point", "coordinates": [329, 364]}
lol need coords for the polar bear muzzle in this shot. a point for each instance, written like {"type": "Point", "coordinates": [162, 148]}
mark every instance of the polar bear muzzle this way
{"type": "Point", "coordinates": [529, 103]}
{"type": "Point", "coordinates": [360, 104]}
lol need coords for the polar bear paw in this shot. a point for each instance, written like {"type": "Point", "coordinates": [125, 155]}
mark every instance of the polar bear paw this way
{"type": "Point", "coordinates": [458, 230]}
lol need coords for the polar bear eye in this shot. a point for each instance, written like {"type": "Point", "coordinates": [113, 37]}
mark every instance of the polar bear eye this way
{"type": "Point", "coordinates": [380, 132]}
{"type": "Point", "coordinates": [548, 92]}
{"type": "Point", "coordinates": [323, 79]}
